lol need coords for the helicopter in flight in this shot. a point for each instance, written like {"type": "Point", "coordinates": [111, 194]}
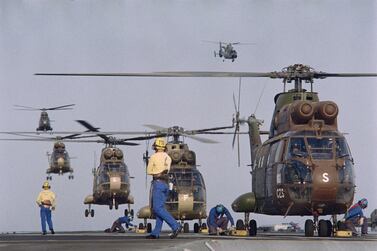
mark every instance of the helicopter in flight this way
{"type": "Point", "coordinates": [305, 167]}
{"type": "Point", "coordinates": [111, 181]}
{"type": "Point", "coordinates": [44, 121]}
{"type": "Point", "coordinates": [226, 49]}
{"type": "Point", "coordinates": [187, 199]}
{"type": "Point", "coordinates": [58, 159]}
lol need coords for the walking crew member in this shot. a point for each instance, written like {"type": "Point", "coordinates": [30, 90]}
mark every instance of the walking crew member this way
{"type": "Point", "coordinates": [355, 217]}
{"type": "Point", "coordinates": [159, 166]}
{"type": "Point", "coordinates": [46, 202]}
{"type": "Point", "coordinates": [216, 221]}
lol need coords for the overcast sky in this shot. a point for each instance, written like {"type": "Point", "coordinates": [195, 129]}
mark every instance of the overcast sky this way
{"type": "Point", "coordinates": [144, 36]}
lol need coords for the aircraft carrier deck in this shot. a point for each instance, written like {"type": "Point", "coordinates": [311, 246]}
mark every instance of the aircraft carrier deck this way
{"type": "Point", "coordinates": [186, 242]}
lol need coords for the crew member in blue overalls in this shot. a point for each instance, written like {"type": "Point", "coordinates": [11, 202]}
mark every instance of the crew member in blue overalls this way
{"type": "Point", "coordinates": [217, 222]}
{"type": "Point", "coordinates": [46, 203]}
{"type": "Point", "coordinates": [117, 225]}
{"type": "Point", "coordinates": [159, 167]}
{"type": "Point", "coordinates": [355, 217]}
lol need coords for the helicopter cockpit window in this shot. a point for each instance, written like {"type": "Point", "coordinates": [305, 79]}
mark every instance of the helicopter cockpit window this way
{"type": "Point", "coordinates": [183, 179]}
{"type": "Point", "coordinates": [321, 148]}
{"type": "Point", "coordinates": [297, 172]}
{"type": "Point", "coordinates": [342, 149]}
{"type": "Point", "coordinates": [297, 148]}
{"type": "Point", "coordinates": [114, 168]}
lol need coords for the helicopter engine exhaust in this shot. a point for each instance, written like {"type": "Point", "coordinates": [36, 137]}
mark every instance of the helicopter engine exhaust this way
{"type": "Point", "coordinates": [301, 112]}
{"type": "Point", "coordinates": [326, 110]}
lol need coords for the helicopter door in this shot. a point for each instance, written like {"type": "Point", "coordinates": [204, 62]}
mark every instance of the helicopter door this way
{"type": "Point", "coordinates": [269, 170]}
{"type": "Point", "coordinates": [260, 173]}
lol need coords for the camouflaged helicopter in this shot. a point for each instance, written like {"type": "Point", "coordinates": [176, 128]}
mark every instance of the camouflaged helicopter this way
{"type": "Point", "coordinates": [111, 181]}
{"type": "Point", "coordinates": [44, 121]}
{"type": "Point", "coordinates": [187, 200]}
{"type": "Point", "coordinates": [316, 179]}
{"type": "Point", "coordinates": [59, 160]}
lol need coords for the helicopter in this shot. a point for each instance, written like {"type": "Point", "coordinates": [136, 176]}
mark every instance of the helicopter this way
{"type": "Point", "coordinates": [58, 159]}
{"type": "Point", "coordinates": [111, 181]}
{"type": "Point", "coordinates": [44, 121]}
{"type": "Point", "coordinates": [315, 180]}
{"type": "Point", "coordinates": [226, 49]}
{"type": "Point", "coordinates": [187, 199]}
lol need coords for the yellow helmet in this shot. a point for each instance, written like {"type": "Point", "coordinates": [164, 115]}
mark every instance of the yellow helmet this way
{"type": "Point", "coordinates": [159, 143]}
{"type": "Point", "coordinates": [46, 185]}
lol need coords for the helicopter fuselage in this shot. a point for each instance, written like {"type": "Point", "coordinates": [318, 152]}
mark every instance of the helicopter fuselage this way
{"type": "Point", "coordinates": [44, 122]}
{"type": "Point", "coordinates": [111, 183]}
{"type": "Point", "coordinates": [305, 167]}
{"type": "Point", "coordinates": [187, 199]}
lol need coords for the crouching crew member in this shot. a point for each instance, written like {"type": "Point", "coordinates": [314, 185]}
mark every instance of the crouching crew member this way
{"type": "Point", "coordinates": [355, 217]}
{"type": "Point", "coordinates": [217, 222]}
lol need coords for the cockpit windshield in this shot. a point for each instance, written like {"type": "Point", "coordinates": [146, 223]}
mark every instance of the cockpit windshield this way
{"type": "Point", "coordinates": [114, 168]}
{"type": "Point", "coordinates": [321, 148]}
{"type": "Point", "coordinates": [318, 148]}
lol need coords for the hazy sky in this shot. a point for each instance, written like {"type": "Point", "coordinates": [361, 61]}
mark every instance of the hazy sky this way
{"type": "Point", "coordinates": [144, 36]}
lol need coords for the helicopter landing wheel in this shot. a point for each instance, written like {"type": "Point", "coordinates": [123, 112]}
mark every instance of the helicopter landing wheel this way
{"type": "Point", "coordinates": [309, 228]}
{"type": "Point", "coordinates": [92, 213]}
{"type": "Point", "coordinates": [324, 228]}
{"type": "Point", "coordinates": [252, 228]}
{"type": "Point", "coordinates": [141, 226]}
{"type": "Point", "coordinates": [186, 227]}
{"type": "Point", "coordinates": [196, 227]}
{"type": "Point", "coordinates": [204, 226]}
{"type": "Point", "coordinates": [116, 205]}
{"type": "Point", "coordinates": [111, 206]}
{"type": "Point", "coordinates": [240, 225]}
{"type": "Point", "coordinates": [86, 212]}
{"type": "Point", "coordinates": [149, 227]}
{"type": "Point", "coordinates": [125, 212]}
{"type": "Point", "coordinates": [132, 213]}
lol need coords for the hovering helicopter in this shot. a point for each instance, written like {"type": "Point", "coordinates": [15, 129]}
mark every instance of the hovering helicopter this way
{"type": "Point", "coordinates": [187, 200]}
{"type": "Point", "coordinates": [111, 181]}
{"type": "Point", "coordinates": [315, 180]}
{"type": "Point", "coordinates": [226, 49]}
{"type": "Point", "coordinates": [58, 159]}
{"type": "Point", "coordinates": [44, 120]}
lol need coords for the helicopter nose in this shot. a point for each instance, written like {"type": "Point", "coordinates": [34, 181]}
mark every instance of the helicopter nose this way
{"type": "Point", "coordinates": [60, 162]}
{"type": "Point", "coordinates": [115, 183]}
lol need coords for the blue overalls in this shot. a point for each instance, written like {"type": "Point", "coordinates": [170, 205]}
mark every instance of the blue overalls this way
{"type": "Point", "coordinates": [160, 192]}
{"type": "Point", "coordinates": [46, 216]}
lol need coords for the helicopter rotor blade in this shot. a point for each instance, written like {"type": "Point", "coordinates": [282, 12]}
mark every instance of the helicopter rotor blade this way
{"type": "Point", "coordinates": [62, 107]}
{"type": "Point", "coordinates": [156, 127]}
{"type": "Point", "coordinates": [200, 139]}
{"type": "Point", "coordinates": [93, 129]}
{"type": "Point", "coordinates": [26, 108]}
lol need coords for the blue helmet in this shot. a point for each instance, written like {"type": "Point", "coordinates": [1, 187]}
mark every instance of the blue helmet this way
{"type": "Point", "coordinates": [363, 203]}
{"type": "Point", "coordinates": [220, 209]}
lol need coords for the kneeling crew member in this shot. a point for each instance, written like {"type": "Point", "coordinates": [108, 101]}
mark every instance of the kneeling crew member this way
{"type": "Point", "coordinates": [46, 202]}
{"type": "Point", "coordinates": [355, 217]}
{"type": "Point", "coordinates": [159, 166]}
{"type": "Point", "coordinates": [117, 225]}
{"type": "Point", "coordinates": [217, 222]}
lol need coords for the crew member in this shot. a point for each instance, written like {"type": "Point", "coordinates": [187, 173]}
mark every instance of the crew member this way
{"type": "Point", "coordinates": [217, 222]}
{"type": "Point", "coordinates": [355, 217]}
{"type": "Point", "coordinates": [46, 202]}
{"type": "Point", "coordinates": [117, 225]}
{"type": "Point", "coordinates": [159, 166]}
